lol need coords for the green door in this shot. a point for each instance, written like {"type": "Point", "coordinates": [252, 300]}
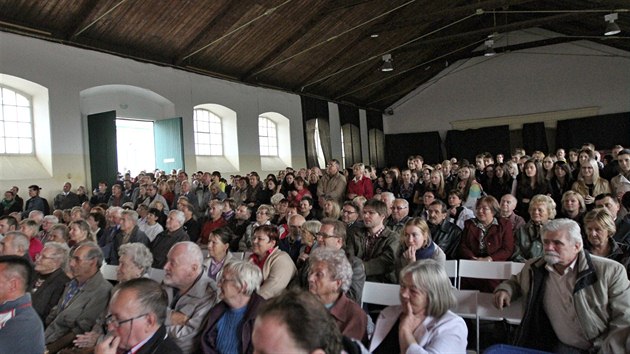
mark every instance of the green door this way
{"type": "Point", "coordinates": [103, 154]}
{"type": "Point", "coordinates": [169, 144]}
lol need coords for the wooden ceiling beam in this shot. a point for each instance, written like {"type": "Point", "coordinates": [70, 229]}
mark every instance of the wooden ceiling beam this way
{"type": "Point", "coordinates": [455, 12]}
{"type": "Point", "coordinates": [480, 33]}
{"type": "Point", "coordinates": [227, 7]}
{"type": "Point", "coordinates": [283, 46]}
{"type": "Point", "coordinates": [80, 19]}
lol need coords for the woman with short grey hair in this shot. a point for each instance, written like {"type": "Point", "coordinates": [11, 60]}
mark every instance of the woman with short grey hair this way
{"type": "Point", "coordinates": [138, 259]}
{"type": "Point", "coordinates": [423, 322]}
{"type": "Point", "coordinates": [230, 323]}
{"type": "Point", "coordinates": [329, 277]}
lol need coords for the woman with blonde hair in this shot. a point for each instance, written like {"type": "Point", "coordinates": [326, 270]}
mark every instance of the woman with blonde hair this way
{"type": "Point", "coordinates": [599, 227]}
{"type": "Point", "coordinates": [331, 209]}
{"type": "Point", "coordinates": [416, 244]}
{"type": "Point", "coordinates": [589, 184]}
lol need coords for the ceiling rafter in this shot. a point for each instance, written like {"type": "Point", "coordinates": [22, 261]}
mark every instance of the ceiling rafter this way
{"type": "Point", "coordinates": [80, 19]}
{"type": "Point", "coordinates": [489, 30]}
{"type": "Point", "coordinates": [84, 27]}
{"type": "Point", "coordinates": [284, 45]}
{"type": "Point", "coordinates": [404, 24]}
{"type": "Point", "coordinates": [227, 7]}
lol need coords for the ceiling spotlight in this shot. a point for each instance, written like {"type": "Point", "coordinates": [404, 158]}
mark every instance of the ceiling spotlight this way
{"type": "Point", "coordinates": [387, 63]}
{"type": "Point", "coordinates": [374, 35]}
{"type": "Point", "coordinates": [611, 27]}
{"type": "Point", "coordinates": [489, 48]}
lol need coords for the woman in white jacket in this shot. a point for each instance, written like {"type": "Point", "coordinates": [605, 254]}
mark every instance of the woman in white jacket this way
{"type": "Point", "coordinates": [423, 322]}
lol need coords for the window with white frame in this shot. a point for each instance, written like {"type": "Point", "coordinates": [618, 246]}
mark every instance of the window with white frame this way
{"type": "Point", "coordinates": [16, 123]}
{"type": "Point", "coordinates": [267, 137]}
{"type": "Point", "coordinates": [208, 133]}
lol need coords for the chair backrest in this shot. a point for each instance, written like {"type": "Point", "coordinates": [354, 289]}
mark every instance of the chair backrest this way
{"type": "Point", "coordinates": [246, 255]}
{"type": "Point", "coordinates": [380, 294]}
{"type": "Point", "coordinates": [451, 270]}
{"type": "Point", "coordinates": [156, 274]}
{"type": "Point", "coordinates": [238, 255]}
{"type": "Point", "coordinates": [517, 267]}
{"type": "Point", "coordinates": [466, 303]}
{"type": "Point", "coordinates": [483, 270]}
{"type": "Point", "coordinates": [109, 271]}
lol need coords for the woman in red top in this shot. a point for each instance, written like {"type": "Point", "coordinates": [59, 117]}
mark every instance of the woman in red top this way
{"type": "Point", "coordinates": [214, 221]}
{"type": "Point", "coordinates": [359, 185]}
{"type": "Point", "coordinates": [300, 192]}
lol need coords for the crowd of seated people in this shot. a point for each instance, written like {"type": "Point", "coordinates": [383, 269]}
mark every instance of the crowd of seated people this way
{"type": "Point", "coordinates": [324, 231]}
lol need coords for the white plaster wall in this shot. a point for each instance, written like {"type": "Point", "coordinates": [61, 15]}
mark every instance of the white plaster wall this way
{"type": "Point", "coordinates": [544, 79]}
{"type": "Point", "coordinates": [67, 71]}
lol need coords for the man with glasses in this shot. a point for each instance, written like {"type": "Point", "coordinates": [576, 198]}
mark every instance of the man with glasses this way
{"type": "Point", "coordinates": [375, 244]}
{"type": "Point", "coordinates": [293, 242]}
{"type": "Point", "coordinates": [350, 215]}
{"type": "Point", "coordinates": [332, 235]}
{"type": "Point", "coordinates": [136, 319]}
{"type": "Point", "coordinates": [50, 277]}
{"type": "Point", "coordinates": [399, 216]}
{"type": "Point", "coordinates": [84, 298]}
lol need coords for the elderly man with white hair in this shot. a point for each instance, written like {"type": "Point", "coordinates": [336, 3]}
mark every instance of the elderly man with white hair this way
{"type": "Point", "coordinates": [50, 277]}
{"type": "Point", "coordinates": [574, 302]}
{"type": "Point", "coordinates": [190, 295]}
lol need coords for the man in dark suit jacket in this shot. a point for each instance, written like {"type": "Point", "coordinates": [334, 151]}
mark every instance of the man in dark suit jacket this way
{"type": "Point", "coordinates": [128, 233]}
{"type": "Point", "coordinates": [66, 199]}
{"type": "Point", "coordinates": [50, 277]}
{"type": "Point", "coordinates": [144, 302]}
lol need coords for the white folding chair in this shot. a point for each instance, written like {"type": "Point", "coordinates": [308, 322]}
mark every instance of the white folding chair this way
{"type": "Point", "coordinates": [246, 255]}
{"type": "Point", "coordinates": [380, 294]}
{"type": "Point", "coordinates": [238, 255]}
{"type": "Point", "coordinates": [452, 270]}
{"type": "Point", "coordinates": [156, 274]}
{"type": "Point", "coordinates": [490, 270]}
{"type": "Point", "coordinates": [109, 272]}
{"type": "Point", "coordinates": [467, 308]}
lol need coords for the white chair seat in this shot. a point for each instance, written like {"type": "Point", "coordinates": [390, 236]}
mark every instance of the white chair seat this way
{"type": "Point", "coordinates": [380, 294]}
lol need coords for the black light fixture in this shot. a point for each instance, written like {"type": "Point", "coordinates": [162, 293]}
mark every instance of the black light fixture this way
{"type": "Point", "coordinates": [387, 63]}
{"type": "Point", "coordinates": [489, 48]}
{"type": "Point", "coordinates": [611, 27]}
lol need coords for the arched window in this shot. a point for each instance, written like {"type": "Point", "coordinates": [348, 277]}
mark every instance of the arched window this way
{"type": "Point", "coordinates": [208, 133]}
{"type": "Point", "coordinates": [16, 123]}
{"type": "Point", "coordinates": [267, 137]}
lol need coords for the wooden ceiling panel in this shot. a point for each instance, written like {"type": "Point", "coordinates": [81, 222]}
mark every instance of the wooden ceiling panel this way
{"type": "Point", "coordinates": [316, 47]}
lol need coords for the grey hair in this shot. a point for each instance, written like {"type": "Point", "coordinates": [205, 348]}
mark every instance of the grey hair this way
{"type": "Point", "coordinates": [115, 210]}
{"type": "Point", "coordinates": [94, 252]}
{"type": "Point", "coordinates": [35, 213]}
{"type": "Point", "coordinates": [246, 275]}
{"type": "Point", "coordinates": [404, 202]}
{"type": "Point", "coordinates": [312, 226]}
{"type": "Point", "coordinates": [571, 227]}
{"type": "Point", "coordinates": [388, 195]}
{"type": "Point", "coordinates": [337, 263]}
{"type": "Point", "coordinates": [20, 240]}
{"type": "Point", "coordinates": [51, 218]}
{"type": "Point", "coordinates": [61, 250]}
{"type": "Point", "coordinates": [193, 252]}
{"type": "Point", "coordinates": [178, 215]}
{"type": "Point", "coordinates": [430, 277]}
{"type": "Point", "coordinates": [132, 214]}
{"type": "Point", "coordinates": [140, 255]}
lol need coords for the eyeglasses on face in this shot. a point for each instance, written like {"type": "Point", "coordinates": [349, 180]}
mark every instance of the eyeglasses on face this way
{"type": "Point", "coordinates": [109, 320]}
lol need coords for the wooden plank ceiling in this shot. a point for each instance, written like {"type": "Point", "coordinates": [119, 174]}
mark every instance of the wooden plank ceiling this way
{"type": "Point", "coordinates": [324, 48]}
